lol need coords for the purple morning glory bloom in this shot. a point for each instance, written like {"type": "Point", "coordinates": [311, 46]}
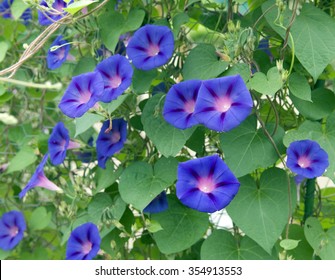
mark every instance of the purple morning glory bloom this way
{"type": "Point", "coordinates": [5, 11]}
{"type": "Point", "coordinates": [39, 179]}
{"type": "Point", "coordinates": [307, 158]}
{"type": "Point", "coordinates": [180, 104]}
{"type": "Point", "coordinates": [223, 103]}
{"type": "Point", "coordinates": [12, 226]}
{"type": "Point", "coordinates": [151, 46]}
{"type": "Point", "coordinates": [47, 18]}
{"type": "Point", "coordinates": [82, 93]}
{"type": "Point", "coordinates": [59, 142]}
{"type": "Point", "coordinates": [111, 141]}
{"type": "Point", "coordinates": [117, 74]}
{"type": "Point", "coordinates": [84, 243]}
{"type": "Point", "coordinates": [206, 184]}
{"type": "Point", "coordinates": [56, 58]}
{"type": "Point", "coordinates": [159, 204]}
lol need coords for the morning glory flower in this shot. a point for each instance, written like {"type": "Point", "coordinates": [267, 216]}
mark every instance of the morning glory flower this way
{"type": "Point", "coordinates": [117, 73]}
{"type": "Point", "coordinates": [56, 58]}
{"type": "Point", "coordinates": [223, 103]}
{"type": "Point", "coordinates": [180, 103]}
{"type": "Point", "coordinates": [206, 184]}
{"type": "Point", "coordinates": [5, 11]}
{"type": "Point", "coordinates": [159, 204]}
{"type": "Point", "coordinates": [151, 46]}
{"type": "Point", "coordinates": [39, 180]}
{"type": "Point", "coordinates": [12, 227]}
{"type": "Point", "coordinates": [59, 142]}
{"type": "Point", "coordinates": [307, 158]}
{"type": "Point", "coordinates": [48, 17]}
{"type": "Point", "coordinates": [84, 243]}
{"type": "Point", "coordinates": [83, 93]}
{"type": "Point", "coordinates": [110, 141]}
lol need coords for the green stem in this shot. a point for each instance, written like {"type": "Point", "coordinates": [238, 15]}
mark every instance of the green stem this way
{"type": "Point", "coordinates": [56, 86]}
{"type": "Point", "coordinates": [309, 198]}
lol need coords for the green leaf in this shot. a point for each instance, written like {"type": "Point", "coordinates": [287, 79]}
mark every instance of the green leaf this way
{"type": "Point", "coordinates": [322, 242]}
{"type": "Point", "coordinates": [4, 46]}
{"type": "Point", "coordinates": [4, 254]}
{"type": "Point", "coordinates": [222, 245]}
{"type": "Point", "coordinates": [86, 121]}
{"type": "Point", "coordinates": [177, 21]}
{"type": "Point", "coordinates": [261, 209]}
{"type": "Point", "coordinates": [140, 182]}
{"type": "Point", "coordinates": [168, 139]}
{"type": "Point", "coordinates": [17, 8]}
{"type": "Point", "coordinates": [85, 64]}
{"type": "Point", "coordinates": [323, 104]}
{"type": "Point", "coordinates": [313, 33]}
{"type": "Point", "coordinates": [268, 84]}
{"type": "Point", "coordinates": [106, 177]}
{"type": "Point", "coordinates": [182, 227]}
{"type": "Point", "coordinates": [77, 6]}
{"type": "Point", "coordinates": [153, 226]}
{"type": "Point", "coordinates": [203, 63]}
{"type": "Point", "coordinates": [289, 244]}
{"type": "Point", "coordinates": [299, 86]}
{"type": "Point", "coordinates": [241, 68]}
{"type": "Point", "coordinates": [247, 148]}
{"type": "Point", "coordinates": [39, 219]}
{"type": "Point", "coordinates": [134, 20]}
{"type": "Point", "coordinates": [115, 104]}
{"type": "Point", "coordinates": [142, 80]}
{"type": "Point", "coordinates": [22, 159]}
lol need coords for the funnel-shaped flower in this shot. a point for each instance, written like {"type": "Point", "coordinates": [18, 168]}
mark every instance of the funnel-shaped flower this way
{"type": "Point", "coordinates": [206, 184]}
{"type": "Point", "coordinates": [307, 158]}
{"type": "Point", "coordinates": [56, 58]}
{"type": "Point", "coordinates": [12, 226]}
{"type": "Point", "coordinates": [159, 204]}
{"type": "Point", "coordinates": [59, 142]}
{"type": "Point", "coordinates": [84, 243]}
{"type": "Point", "coordinates": [151, 46]}
{"type": "Point", "coordinates": [223, 103]}
{"type": "Point", "coordinates": [82, 94]}
{"type": "Point", "coordinates": [5, 11]}
{"type": "Point", "coordinates": [111, 141]}
{"type": "Point", "coordinates": [39, 180]}
{"type": "Point", "coordinates": [48, 17]}
{"type": "Point", "coordinates": [180, 103]}
{"type": "Point", "coordinates": [117, 73]}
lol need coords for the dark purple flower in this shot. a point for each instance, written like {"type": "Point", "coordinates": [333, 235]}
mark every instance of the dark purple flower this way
{"type": "Point", "coordinates": [82, 94]}
{"type": "Point", "coordinates": [117, 73]}
{"type": "Point", "coordinates": [307, 158]}
{"type": "Point", "coordinates": [223, 103]}
{"type": "Point", "coordinates": [180, 103]}
{"type": "Point", "coordinates": [111, 141]}
{"type": "Point", "coordinates": [159, 204]}
{"type": "Point", "coordinates": [5, 11]}
{"type": "Point", "coordinates": [59, 142]}
{"type": "Point", "coordinates": [56, 58]}
{"type": "Point", "coordinates": [160, 88]}
{"type": "Point", "coordinates": [48, 17]}
{"type": "Point", "coordinates": [206, 184]}
{"type": "Point", "coordinates": [151, 46]}
{"type": "Point", "coordinates": [12, 226]}
{"type": "Point", "coordinates": [84, 243]}
{"type": "Point", "coordinates": [39, 180]}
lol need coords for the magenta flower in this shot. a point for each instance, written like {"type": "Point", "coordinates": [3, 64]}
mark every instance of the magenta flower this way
{"type": "Point", "coordinates": [117, 73]}
{"type": "Point", "coordinates": [39, 180]}
{"type": "Point", "coordinates": [157, 205]}
{"type": "Point", "coordinates": [206, 184]}
{"type": "Point", "coordinates": [223, 103]}
{"type": "Point", "coordinates": [48, 17]}
{"type": "Point", "coordinates": [84, 243]}
{"type": "Point", "coordinates": [180, 103]}
{"type": "Point", "coordinates": [83, 93]}
{"type": "Point", "coordinates": [12, 227]}
{"type": "Point", "coordinates": [307, 158]}
{"type": "Point", "coordinates": [59, 142]}
{"type": "Point", "coordinates": [111, 141]}
{"type": "Point", "coordinates": [151, 46]}
{"type": "Point", "coordinates": [56, 58]}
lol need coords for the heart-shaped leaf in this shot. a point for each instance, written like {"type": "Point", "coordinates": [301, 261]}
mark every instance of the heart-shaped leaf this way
{"type": "Point", "coordinates": [268, 84]}
{"type": "Point", "coordinates": [140, 182]}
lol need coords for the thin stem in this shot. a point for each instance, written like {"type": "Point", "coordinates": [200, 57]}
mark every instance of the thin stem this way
{"type": "Point", "coordinates": [47, 85]}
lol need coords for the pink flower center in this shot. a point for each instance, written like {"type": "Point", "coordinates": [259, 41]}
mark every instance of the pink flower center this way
{"type": "Point", "coordinates": [206, 185]}
{"type": "Point", "coordinates": [153, 50]}
{"type": "Point", "coordinates": [13, 231]}
{"type": "Point", "coordinates": [223, 104]}
{"type": "Point", "coordinates": [84, 97]}
{"type": "Point", "coordinates": [87, 247]}
{"type": "Point", "coordinates": [61, 53]}
{"type": "Point", "coordinates": [189, 106]}
{"type": "Point", "coordinates": [304, 162]}
{"type": "Point", "coordinates": [116, 136]}
{"type": "Point", "coordinates": [115, 81]}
